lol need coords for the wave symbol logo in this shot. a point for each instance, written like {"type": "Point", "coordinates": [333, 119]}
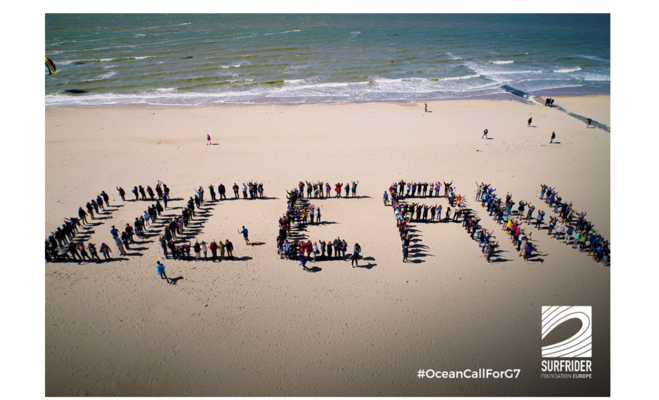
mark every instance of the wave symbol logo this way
{"type": "Point", "coordinates": [580, 344]}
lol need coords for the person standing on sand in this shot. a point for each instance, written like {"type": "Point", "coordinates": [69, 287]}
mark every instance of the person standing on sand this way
{"type": "Point", "coordinates": [553, 136]}
{"type": "Point", "coordinates": [222, 191]}
{"type": "Point", "coordinates": [106, 198]}
{"type": "Point", "coordinates": [229, 247]}
{"type": "Point", "coordinates": [484, 134]}
{"type": "Point", "coordinates": [208, 139]}
{"type": "Point", "coordinates": [213, 248]}
{"type": "Point", "coordinates": [588, 121]}
{"type": "Point", "coordinates": [161, 272]}
{"type": "Point", "coordinates": [538, 221]}
{"type": "Point", "coordinates": [529, 121]}
{"type": "Point", "coordinates": [204, 249]}
{"type": "Point", "coordinates": [83, 215]}
{"type": "Point", "coordinates": [355, 255]}
{"type": "Point", "coordinates": [90, 209]}
{"type": "Point", "coordinates": [120, 246]}
{"type": "Point", "coordinates": [197, 250]}
{"type": "Point", "coordinates": [426, 104]}
{"type": "Point", "coordinates": [211, 189]}
{"type": "Point", "coordinates": [105, 250]}
{"type": "Point", "coordinates": [122, 193]}
{"type": "Point", "coordinates": [92, 250]}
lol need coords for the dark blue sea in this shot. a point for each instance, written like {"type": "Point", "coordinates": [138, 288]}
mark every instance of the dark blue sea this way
{"type": "Point", "coordinates": [180, 59]}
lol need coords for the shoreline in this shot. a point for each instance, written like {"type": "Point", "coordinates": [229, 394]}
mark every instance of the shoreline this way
{"type": "Point", "coordinates": [511, 98]}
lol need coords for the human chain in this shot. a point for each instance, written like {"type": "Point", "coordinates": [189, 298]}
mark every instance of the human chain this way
{"type": "Point", "coordinates": [569, 226]}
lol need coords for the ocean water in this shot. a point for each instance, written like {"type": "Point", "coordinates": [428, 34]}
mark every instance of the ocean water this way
{"type": "Point", "coordinates": [180, 59]}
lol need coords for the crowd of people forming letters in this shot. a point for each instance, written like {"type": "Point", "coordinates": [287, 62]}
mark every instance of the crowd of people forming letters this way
{"type": "Point", "coordinates": [568, 225]}
{"type": "Point", "coordinates": [299, 213]}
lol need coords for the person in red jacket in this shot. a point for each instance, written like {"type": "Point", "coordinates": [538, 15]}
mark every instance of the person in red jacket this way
{"type": "Point", "coordinates": [213, 247]}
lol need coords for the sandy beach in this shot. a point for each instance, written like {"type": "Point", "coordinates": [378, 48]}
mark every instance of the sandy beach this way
{"type": "Point", "coordinates": [261, 325]}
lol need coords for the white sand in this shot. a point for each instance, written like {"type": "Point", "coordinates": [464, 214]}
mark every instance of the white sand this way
{"type": "Point", "coordinates": [263, 326]}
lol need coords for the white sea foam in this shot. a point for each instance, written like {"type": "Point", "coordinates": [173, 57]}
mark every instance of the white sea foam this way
{"type": "Point", "coordinates": [592, 57]}
{"type": "Point", "coordinates": [514, 72]}
{"type": "Point", "coordinates": [456, 78]}
{"type": "Point", "coordinates": [141, 58]}
{"type": "Point", "coordinates": [107, 76]}
{"type": "Point", "coordinates": [565, 70]}
{"type": "Point", "coordinates": [162, 26]}
{"type": "Point", "coordinates": [230, 66]}
{"type": "Point", "coordinates": [280, 33]}
{"type": "Point", "coordinates": [502, 62]}
{"type": "Point", "coordinates": [595, 77]}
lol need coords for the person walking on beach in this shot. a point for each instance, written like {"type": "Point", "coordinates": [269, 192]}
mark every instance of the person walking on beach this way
{"type": "Point", "coordinates": [529, 121]}
{"type": "Point", "coordinates": [484, 134]}
{"type": "Point", "coordinates": [208, 140]}
{"type": "Point", "coordinates": [303, 262]}
{"type": "Point", "coordinates": [235, 191]}
{"type": "Point", "coordinates": [553, 136]}
{"type": "Point", "coordinates": [426, 104]}
{"type": "Point", "coordinates": [245, 233]}
{"type": "Point", "coordinates": [588, 121]}
{"type": "Point", "coordinates": [161, 272]}
{"type": "Point", "coordinates": [405, 251]}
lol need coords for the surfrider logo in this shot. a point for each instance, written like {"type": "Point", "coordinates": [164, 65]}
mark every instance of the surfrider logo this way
{"type": "Point", "coordinates": [580, 344]}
